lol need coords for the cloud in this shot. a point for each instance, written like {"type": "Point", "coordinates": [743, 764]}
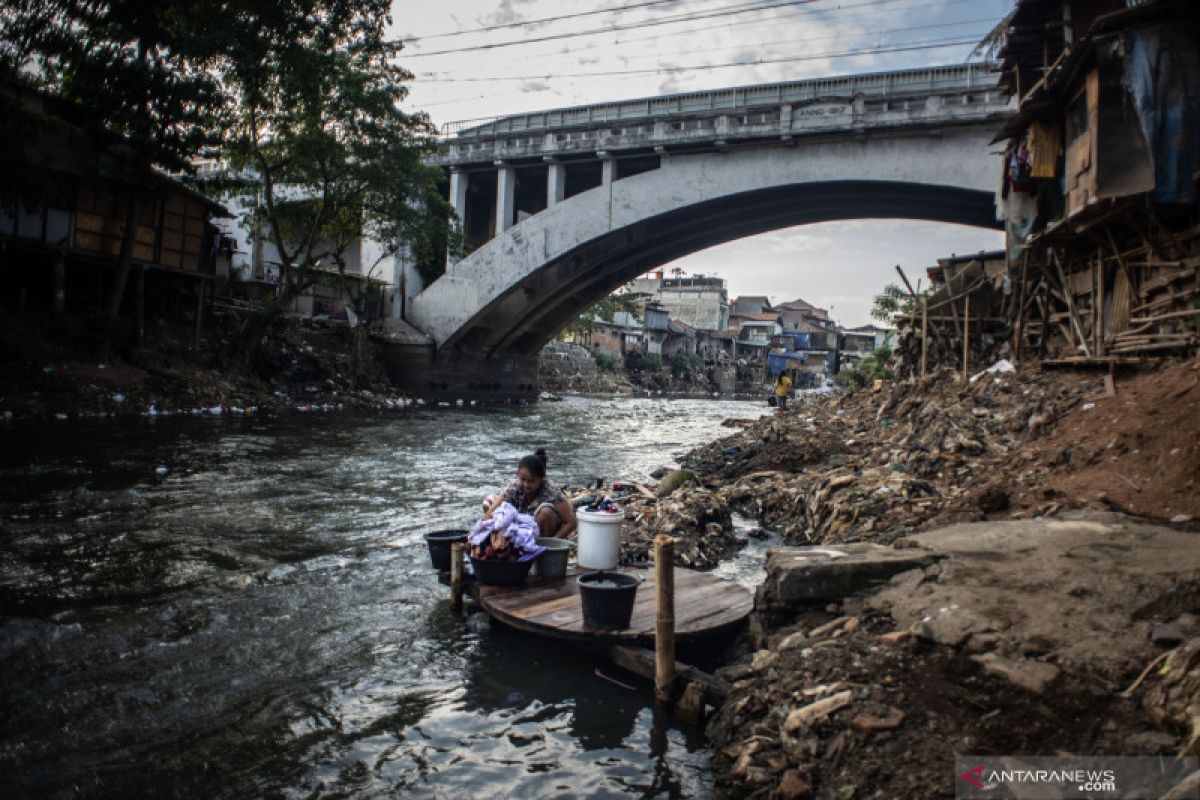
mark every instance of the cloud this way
{"type": "Point", "coordinates": [506, 14]}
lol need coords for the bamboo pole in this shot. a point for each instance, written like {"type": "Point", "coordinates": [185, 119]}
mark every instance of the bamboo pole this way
{"type": "Point", "coordinates": [966, 337]}
{"type": "Point", "coordinates": [904, 278]}
{"type": "Point", "coordinates": [456, 575]}
{"type": "Point", "coordinates": [664, 629]}
{"type": "Point", "coordinates": [924, 334]}
{"type": "Point", "coordinates": [1019, 317]}
{"type": "Point", "coordinates": [1067, 294]}
{"type": "Point", "coordinates": [950, 293]}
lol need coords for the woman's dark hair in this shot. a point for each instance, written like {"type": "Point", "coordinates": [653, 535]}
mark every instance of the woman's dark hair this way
{"type": "Point", "coordinates": [535, 464]}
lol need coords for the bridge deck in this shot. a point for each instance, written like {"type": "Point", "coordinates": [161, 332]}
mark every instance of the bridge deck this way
{"type": "Point", "coordinates": [705, 605]}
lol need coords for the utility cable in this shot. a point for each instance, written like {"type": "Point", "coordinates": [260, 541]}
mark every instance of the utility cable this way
{"type": "Point", "coordinates": [743, 9]}
{"type": "Point", "coordinates": [791, 42]}
{"type": "Point", "coordinates": [541, 20]}
{"type": "Point", "coordinates": [906, 47]}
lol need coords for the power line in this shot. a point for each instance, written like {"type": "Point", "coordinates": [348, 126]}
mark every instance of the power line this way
{"type": "Point", "coordinates": [541, 21]}
{"type": "Point", "coordinates": [754, 23]}
{"type": "Point", "coordinates": [907, 47]}
{"type": "Point", "coordinates": [806, 41]}
{"type": "Point", "coordinates": [743, 9]}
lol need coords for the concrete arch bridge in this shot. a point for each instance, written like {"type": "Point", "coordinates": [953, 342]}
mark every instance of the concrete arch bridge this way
{"type": "Point", "coordinates": [563, 207]}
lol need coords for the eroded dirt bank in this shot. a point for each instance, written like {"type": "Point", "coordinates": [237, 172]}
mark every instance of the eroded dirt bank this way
{"type": "Point", "coordinates": [1056, 521]}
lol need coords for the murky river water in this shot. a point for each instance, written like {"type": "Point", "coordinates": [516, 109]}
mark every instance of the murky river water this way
{"type": "Point", "coordinates": [262, 619]}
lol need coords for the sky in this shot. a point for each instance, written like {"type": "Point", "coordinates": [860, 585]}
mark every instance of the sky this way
{"type": "Point", "coordinates": [477, 59]}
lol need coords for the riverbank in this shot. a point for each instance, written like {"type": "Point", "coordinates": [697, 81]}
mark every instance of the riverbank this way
{"type": "Point", "coordinates": [59, 371]}
{"type": "Point", "coordinates": [841, 683]}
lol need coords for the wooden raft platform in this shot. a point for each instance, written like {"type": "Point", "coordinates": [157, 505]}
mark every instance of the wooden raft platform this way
{"type": "Point", "coordinates": [705, 605]}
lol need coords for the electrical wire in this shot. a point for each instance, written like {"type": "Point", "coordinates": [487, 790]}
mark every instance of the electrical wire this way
{"type": "Point", "coordinates": [748, 8]}
{"type": "Point", "coordinates": [905, 47]}
{"type": "Point", "coordinates": [792, 42]}
{"type": "Point", "coordinates": [542, 20]}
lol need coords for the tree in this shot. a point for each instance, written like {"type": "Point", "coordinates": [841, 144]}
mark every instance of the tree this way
{"type": "Point", "coordinates": [605, 310]}
{"type": "Point", "coordinates": [318, 148]}
{"type": "Point", "coordinates": [136, 72]}
{"type": "Point", "coordinates": [893, 301]}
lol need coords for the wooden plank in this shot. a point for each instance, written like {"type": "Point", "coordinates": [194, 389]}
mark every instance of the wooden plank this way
{"type": "Point", "coordinates": [709, 605]}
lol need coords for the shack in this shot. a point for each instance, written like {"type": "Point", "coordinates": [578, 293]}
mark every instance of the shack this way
{"type": "Point", "coordinates": [61, 234]}
{"type": "Point", "coordinates": [1099, 179]}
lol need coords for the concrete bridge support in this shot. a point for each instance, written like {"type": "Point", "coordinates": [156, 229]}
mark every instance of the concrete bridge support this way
{"type": "Point", "coordinates": [566, 205]}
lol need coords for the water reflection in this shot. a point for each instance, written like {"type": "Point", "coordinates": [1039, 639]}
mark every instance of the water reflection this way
{"type": "Point", "coordinates": [262, 620]}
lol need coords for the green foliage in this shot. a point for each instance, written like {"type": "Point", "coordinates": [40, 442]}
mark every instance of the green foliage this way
{"type": "Point", "coordinates": [637, 361]}
{"type": "Point", "coordinates": [683, 364]}
{"type": "Point", "coordinates": [317, 116]}
{"type": "Point", "coordinates": [605, 361]}
{"type": "Point", "coordinates": [299, 99]}
{"type": "Point", "coordinates": [891, 301]}
{"type": "Point", "coordinates": [867, 369]}
{"type": "Point", "coordinates": [606, 310]}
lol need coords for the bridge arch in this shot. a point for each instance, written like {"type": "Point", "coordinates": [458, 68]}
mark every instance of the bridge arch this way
{"type": "Point", "coordinates": [509, 297]}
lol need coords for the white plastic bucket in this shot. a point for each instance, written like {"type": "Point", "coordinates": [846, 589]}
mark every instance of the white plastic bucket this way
{"type": "Point", "coordinates": [599, 539]}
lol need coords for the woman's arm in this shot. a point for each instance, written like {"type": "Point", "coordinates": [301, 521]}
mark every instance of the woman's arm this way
{"type": "Point", "coordinates": [488, 508]}
{"type": "Point", "coordinates": [567, 513]}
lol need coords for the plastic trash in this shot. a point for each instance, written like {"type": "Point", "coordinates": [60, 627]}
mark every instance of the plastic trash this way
{"type": "Point", "coordinates": [160, 470]}
{"type": "Point", "coordinates": [1003, 365]}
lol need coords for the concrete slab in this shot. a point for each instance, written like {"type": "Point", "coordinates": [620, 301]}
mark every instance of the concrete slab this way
{"type": "Point", "coordinates": [799, 575]}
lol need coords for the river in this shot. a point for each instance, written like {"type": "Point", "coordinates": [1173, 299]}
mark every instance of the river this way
{"type": "Point", "coordinates": [243, 607]}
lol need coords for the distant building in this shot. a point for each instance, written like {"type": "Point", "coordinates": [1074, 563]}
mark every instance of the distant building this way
{"type": "Point", "coordinates": [798, 313]}
{"type": "Point", "coordinates": [619, 335]}
{"type": "Point", "coordinates": [655, 327]}
{"type": "Point", "coordinates": [756, 329]}
{"type": "Point", "coordinates": [879, 335]}
{"type": "Point", "coordinates": [751, 304]}
{"type": "Point", "coordinates": [698, 301]}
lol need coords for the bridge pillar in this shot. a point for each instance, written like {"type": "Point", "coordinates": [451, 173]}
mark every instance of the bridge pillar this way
{"type": "Point", "coordinates": [556, 180]}
{"type": "Point", "coordinates": [458, 197]}
{"type": "Point", "coordinates": [462, 375]}
{"type": "Point", "coordinates": [506, 196]}
{"type": "Point", "coordinates": [608, 167]}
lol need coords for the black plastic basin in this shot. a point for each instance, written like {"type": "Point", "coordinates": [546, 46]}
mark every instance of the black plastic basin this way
{"type": "Point", "coordinates": [608, 599]}
{"type": "Point", "coordinates": [439, 547]}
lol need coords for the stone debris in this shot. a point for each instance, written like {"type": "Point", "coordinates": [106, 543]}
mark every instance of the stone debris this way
{"type": "Point", "coordinates": [995, 635]}
{"type": "Point", "coordinates": [1033, 676]}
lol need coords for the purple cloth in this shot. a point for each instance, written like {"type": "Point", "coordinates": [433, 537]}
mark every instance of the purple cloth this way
{"type": "Point", "coordinates": [521, 530]}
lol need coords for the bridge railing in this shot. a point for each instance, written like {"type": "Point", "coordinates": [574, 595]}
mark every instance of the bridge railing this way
{"type": "Point", "coordinates": [871, 85]}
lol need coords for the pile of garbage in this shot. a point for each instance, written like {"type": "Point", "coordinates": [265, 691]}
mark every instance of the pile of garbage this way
{"type": "Point", "coordinates": [700, 521]}
{"type": "Point", "coordinates": [869, 685]}
{"type": "Point", "coordinates": [877, 464]}
{"type": "Point", "coordinates": [505, 536]}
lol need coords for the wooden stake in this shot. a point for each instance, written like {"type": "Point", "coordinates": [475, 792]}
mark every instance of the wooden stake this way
{"type": "Point", "coordinates": [456, 575]}
{"type": "Point", "coordinates": [1067, 294]}
{"type": "Point", "coordinates": [966, 337]}
{"type": "Point", "coordinates": [1019, 317]}
{"type": "Point", "coordinates": [664, 630]}
{"type": "Point", "coordinates": [924, 334]}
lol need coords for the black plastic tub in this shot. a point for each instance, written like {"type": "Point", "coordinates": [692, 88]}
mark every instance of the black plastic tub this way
{"type": "Point", "coordinates": [439, 547]}
{"type": "Point", "coordinates": [501, 573]}
{"type": "Point", "coordinates": [552, 563]}
{"type": "Point", "coordinates": [608, 599]}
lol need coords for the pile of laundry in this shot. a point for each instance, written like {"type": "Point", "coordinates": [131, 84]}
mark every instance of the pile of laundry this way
{"type": "Point", "coordinates": [507, 536]}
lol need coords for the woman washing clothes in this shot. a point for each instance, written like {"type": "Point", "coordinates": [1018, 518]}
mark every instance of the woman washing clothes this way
{"type": "Point", "coordinates": [532, 493]}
